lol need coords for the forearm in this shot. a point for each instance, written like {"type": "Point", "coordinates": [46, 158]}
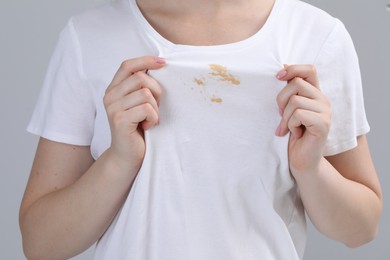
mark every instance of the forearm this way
{"type": "Point", "coordinates": [66, 222]}
{"type": "Point", "coordinates": [340, 208]}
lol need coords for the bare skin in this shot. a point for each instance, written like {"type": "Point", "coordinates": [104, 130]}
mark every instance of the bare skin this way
{"type": "Point", "coordinates": [206, 22]}
{"type": "Point", "coordinates": [70, 199]}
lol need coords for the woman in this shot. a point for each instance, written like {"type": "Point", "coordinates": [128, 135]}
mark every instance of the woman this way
{"type": "Point", "coordinates": [211, 139]}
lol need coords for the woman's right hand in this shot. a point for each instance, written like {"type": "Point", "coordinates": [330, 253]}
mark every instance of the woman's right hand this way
{"type": "Point", "coordinates": [131, 103]}
{"type": "Point", "coordinates": [82, 195]}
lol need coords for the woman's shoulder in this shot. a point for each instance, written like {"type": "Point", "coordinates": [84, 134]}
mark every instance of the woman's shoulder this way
{"type": "Point", "coordinates": [108, 17]}
{"type": "Point", "coordinates": [309, 31]}
{"type": "Point", "coordinates": [304, 16]}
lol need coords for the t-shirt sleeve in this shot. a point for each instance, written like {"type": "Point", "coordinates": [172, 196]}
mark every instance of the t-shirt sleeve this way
{"type": "Point", "coordinates": [65, 110]}
{"type": "Point", "coordinates": [339, 74]}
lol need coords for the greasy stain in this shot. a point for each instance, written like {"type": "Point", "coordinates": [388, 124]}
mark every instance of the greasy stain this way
{"type": "Point", "coordinates": [216, 100]}
{"type": "Point", "coordinates": [206, 84]}
{"type": "Point", "coordinates": [199, 82]}
{"type": "Point", "coordinates": [223, 74]}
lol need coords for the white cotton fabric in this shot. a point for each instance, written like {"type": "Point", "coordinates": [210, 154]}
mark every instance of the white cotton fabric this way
{"type": "Point", "coordinates": [215, 181]}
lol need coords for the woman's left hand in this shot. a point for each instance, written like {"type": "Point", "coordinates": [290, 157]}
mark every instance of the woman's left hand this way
{"type": "Point", "coordinates": [306, 114]}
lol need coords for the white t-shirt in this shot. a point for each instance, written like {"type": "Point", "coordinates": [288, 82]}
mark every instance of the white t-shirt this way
{"type": "Point", "coordinates": [215, 181]}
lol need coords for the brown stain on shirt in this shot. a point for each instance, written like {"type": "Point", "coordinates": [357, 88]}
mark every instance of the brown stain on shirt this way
{"type": "Point", "coordinates": [216, 100]}
{"type": "Point", "coordinates": [218, 73]}
{"type": "Point", "coordinates": [199, 82]}
{"type": "Point", "coordinates": [223, 75]}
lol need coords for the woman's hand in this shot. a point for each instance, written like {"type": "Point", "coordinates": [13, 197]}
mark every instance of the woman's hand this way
{"type": "Point", "coordinates": [306, 114]}
{"type": "Point", "coordinates": [345, 183]}
{"type": "Point", "coordinates": [131, 103]}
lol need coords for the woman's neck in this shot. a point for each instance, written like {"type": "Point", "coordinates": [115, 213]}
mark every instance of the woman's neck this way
{"type": "Point", "coordinates": [206, 22]}
{"type": "Point", "coordinates": [200, 7]}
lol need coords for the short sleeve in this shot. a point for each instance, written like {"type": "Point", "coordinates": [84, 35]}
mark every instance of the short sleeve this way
{"type": "Point", "coordinates": [339, 74]}
{"type": "Point", "coordinates": [65, 110]}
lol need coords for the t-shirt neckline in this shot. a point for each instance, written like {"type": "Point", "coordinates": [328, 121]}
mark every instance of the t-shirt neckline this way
{"type": "Point", "coordinates": [148, 28]}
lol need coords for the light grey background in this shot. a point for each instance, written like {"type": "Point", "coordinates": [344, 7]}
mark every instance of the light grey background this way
{"type": "Point", "coordinates": [29, 31]}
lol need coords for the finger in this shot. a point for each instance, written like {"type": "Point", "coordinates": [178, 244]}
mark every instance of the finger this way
{"type": "Point", "coordinates": [129, 67]}
{"type": "Point", "coordinates": [305, 120]}
{"type": "Point", "coordinates": [151, 120]}
{"type": "Point", "coordinates": [297, 86]}
{"type": "Point", "coordinates": [137, 98]}
{"type": "Point", "coordinates": [305, 71]}
{"type": "Point", "coordinates": [295, 103]}
{"type": "Point", "coordinates": [147, 124]}
{"type": "Point", "coordinates": [137, 81]}
{"type": "Point", "coordinates": [139, 114]}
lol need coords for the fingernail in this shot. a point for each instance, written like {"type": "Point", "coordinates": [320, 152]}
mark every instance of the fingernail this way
{"type": "Point", "coordinates": [159, 60]}
{"type": "Point", "coordinates": [281, 74]}
{"type": "Point", "coordinates": [277, 131]}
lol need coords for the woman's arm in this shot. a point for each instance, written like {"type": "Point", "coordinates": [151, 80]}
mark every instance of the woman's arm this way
{"type": "Point", "coordinates": [70, 200]}
{"type": "Point", "coordinates": [340, 193]}
{"type": "Point", "coordinates": [343, 198]}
